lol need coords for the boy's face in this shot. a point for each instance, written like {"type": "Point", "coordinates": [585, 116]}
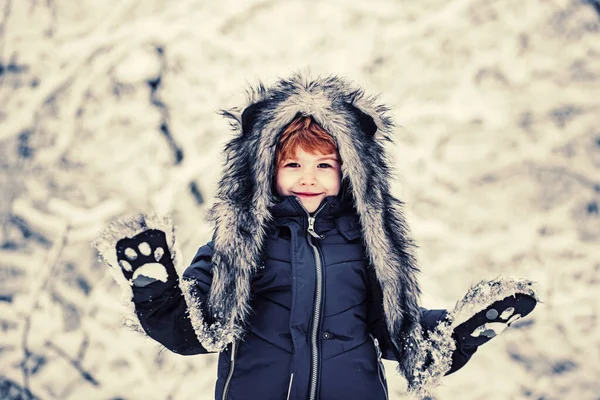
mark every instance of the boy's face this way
{"type": "Point", "coordinates": [310, 177]}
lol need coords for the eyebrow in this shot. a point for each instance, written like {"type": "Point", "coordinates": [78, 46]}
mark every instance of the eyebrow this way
{"type": "Point", "coordinates": [330, 157]}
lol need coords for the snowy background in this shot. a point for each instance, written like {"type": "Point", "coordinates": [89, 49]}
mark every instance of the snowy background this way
{"type": "Point", "coordinates": [107, 108]}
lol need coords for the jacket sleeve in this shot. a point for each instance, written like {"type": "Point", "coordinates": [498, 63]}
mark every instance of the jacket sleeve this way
{"type": "Point", "coordinates": [429, 321]}
{"type": "Point", "coordinates": [163, 312]}
{"type": "Point", "coordinates": [462, 354]}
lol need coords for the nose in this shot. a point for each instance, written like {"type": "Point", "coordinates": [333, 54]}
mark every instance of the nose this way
{"type": "Point", "coordinates": [308, 178]}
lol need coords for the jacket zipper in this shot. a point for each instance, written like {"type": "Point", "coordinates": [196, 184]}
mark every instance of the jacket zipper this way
{"type": "Point", "coordinates": [380, 368]}
{"type": "Point", "coordinates": [290, 386]}
{"type": "Point", "coordinates": [231, 368]}
{"type": "Point", "coordinates": [318, 298]}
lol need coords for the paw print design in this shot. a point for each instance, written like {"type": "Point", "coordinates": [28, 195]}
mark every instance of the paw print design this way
{"type": "Point", "coordinates": [146, 258]}
{"type": "Point", "coordinates": [493, 320]}
{"type": "Point", "coordinates": [492, 329]}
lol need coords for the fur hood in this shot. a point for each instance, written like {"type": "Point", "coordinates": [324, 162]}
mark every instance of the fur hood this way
{"type": "Point", "coordinates": [360, 127]}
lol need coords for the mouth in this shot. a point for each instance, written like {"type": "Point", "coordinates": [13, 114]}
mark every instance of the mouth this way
{"type": "Point", "coordinates": [308, 194]}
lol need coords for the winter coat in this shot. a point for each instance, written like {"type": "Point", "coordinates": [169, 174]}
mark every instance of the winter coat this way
{"type": "Point", "coordinates": [301, 313]}
{"type": "Point", "coordinates": [294, 322]}
{"type": "Point", "coordinates": [342, 332]}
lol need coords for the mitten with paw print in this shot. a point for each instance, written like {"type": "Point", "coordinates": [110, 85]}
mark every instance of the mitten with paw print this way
{"type": "Point", "coordinates": [145, 258]}
{"type": "Point", "coordinates": [494, 318]}
{"type": "Point", "coordinates": [486, 310]}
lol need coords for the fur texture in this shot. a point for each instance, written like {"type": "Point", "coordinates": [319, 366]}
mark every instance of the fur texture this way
{"type": "Point", "coordinates": [130, 226]}
{"type": "Point", "coordinates": [360, 128]}
{"type": "Point", "coordinates": [440, 345]}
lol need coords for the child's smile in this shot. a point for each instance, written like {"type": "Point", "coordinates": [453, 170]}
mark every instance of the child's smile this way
{"type": "Point", "coordinates": [310, 177]}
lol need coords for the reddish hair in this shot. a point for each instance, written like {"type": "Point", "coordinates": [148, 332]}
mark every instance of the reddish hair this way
{"type": "Point", "coordinates": [309, 135]}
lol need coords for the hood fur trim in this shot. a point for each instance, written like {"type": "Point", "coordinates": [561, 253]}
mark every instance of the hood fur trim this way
{"type": "Point", "coordinates": [360, 127]}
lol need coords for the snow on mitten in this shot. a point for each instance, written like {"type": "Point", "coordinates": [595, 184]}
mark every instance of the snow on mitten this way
{"type": "Point", "coordinates": [145, 258]}
{"type": "Point", "coordinates": [125, 230]}
{"type": "Point", "coordinates": [494, 319]}
{"type": "Point", "coordinates": [129, 233]}
{"type": "Point", "coordinates": [484, 312]}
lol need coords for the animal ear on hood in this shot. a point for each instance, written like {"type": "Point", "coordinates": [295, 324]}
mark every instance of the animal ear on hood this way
{"type": "Point", "coordinates": [249, 116]}
{"type": "Point", "coordinates": [366, 122]}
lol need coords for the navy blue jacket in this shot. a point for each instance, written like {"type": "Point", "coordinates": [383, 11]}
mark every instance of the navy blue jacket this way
{"type": "Point", "coordinates": [316, 321]}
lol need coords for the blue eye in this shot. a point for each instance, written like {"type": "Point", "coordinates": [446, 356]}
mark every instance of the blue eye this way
{"type": "Point", "coordinates": [324, 165]}
{"type": "Point", "coordinates": [292, 165]}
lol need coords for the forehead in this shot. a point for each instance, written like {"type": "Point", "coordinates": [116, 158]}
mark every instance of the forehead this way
{"type": "Point", "coordinates": [300, 153]}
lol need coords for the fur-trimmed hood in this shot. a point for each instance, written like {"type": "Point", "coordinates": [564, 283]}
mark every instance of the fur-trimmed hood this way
{"type": "Point", "coordinates": [360, 127]}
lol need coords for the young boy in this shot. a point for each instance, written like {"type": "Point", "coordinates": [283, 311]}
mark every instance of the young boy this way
{"type": "Point", "coordinates": [309, 279]}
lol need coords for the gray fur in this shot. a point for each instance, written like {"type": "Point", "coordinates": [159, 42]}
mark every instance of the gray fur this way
{"type": "Point", "coordinates": [241, 210]}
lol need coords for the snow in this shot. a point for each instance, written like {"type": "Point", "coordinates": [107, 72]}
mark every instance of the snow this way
{"type": "Point", "coordinates": [214, 337]}
{"type": "Point", "coordinates": [507, 313]}
{"type": "Point", "coordinates": [130, 253]}
{"type": "Point", "coordinates": [158, 253]}
{"type": "Point", "coordinates": [144, 248]}
{"type": "Point", "coordinates": [489, 329]}
{"type": "Point", "coordinates": [497, 157]}
{"type": "Point", "coordinates": [125, 265]}
{"type": "Point", "coordinates": [155, 271]}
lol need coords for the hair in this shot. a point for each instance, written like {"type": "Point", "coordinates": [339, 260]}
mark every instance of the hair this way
{"type": "Point", "coordinates": [306, 133]}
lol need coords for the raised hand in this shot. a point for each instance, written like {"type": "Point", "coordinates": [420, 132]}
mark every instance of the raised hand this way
{"type": "Point", "coordinates": [494, 319]}
{"type": "Point", "coordinates": [145, 258]}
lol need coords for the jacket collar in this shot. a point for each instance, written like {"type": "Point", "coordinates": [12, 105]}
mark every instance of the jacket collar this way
{"type": "Point", "coordinates": [333, 212]}
{"type": "Point", "coordinates": [330, 207]}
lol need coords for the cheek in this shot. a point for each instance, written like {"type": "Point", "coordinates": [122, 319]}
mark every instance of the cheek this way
{"type": "Point", "coordinates": [337, 188]}
{"type": "Point", "coordinates": [336, 184]}
{"type": "Point", "coordinates": [280, 184]}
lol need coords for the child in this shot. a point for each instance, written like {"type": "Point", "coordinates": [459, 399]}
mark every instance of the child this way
{"type": "Point", "coordinates": [309, 280]}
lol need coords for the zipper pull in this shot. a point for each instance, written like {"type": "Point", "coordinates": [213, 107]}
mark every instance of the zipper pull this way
{"type": "Point", "coordinates": [311, 228]}
{"type": "Point", "coordinates": [377, 349]}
